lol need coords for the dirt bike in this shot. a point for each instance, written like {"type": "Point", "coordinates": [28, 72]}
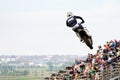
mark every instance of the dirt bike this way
{"type": "Point", "coordinates": [82, 34]}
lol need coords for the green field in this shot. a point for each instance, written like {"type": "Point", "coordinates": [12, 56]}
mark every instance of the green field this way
{"type": "Point", "coordinates": [26, 73]}
{"type": "Point", "coordinates": [20, 78]}
{"type": "Point", "coordinates": [35, 73]}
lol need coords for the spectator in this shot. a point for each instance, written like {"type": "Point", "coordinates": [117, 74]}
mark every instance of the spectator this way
{"type": "Point", "coordinates": [92, 72]}
{"type": "Point", "coordinates": [118, 54]}
{"type": "Point", "coordinates": [100, 50]}
{"type": "Point", "coordinates": [110, 59]}
{"type": "Point", "coordinates": [87, 69]}
{"type": "Point", "coordinates": [89, 58]}
{"type": "Point", "coordinates": [112, 44]}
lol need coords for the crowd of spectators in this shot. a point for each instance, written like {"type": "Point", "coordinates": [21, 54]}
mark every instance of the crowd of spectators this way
{"type": "Point", "coordinates": [106, 56]}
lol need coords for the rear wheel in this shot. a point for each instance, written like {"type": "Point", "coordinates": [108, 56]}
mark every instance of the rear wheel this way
{"type": "Point", "coordinates": [88, 42]}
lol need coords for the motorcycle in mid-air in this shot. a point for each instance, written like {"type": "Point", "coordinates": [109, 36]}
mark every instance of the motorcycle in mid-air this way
{"type": "Point", "coordinates": [82, 34]}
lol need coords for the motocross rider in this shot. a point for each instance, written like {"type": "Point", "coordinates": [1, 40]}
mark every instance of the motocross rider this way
{"type": "Point", "coordinates": [72, 22]}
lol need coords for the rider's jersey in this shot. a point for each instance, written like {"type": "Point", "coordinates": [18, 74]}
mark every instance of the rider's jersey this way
{"type": "Point", "coordinates": [72, 21]}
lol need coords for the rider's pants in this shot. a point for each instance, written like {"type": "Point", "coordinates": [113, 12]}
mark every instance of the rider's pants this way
{"type": "Point", "coordinates": [76, 27]}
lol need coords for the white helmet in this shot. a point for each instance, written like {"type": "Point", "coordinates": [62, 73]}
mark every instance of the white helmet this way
{"type": "Point", "coordinates": [69, 14]}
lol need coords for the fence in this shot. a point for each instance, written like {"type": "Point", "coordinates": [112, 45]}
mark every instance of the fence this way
{"type": "Point", "coordinates": [112, 73]}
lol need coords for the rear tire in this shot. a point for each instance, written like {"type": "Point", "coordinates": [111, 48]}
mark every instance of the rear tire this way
{"type": "Point", "coordinates": [88, 42]}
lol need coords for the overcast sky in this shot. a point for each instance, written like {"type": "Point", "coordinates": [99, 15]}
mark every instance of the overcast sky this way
{"type": "Point", "coordinates": [36, 27]}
